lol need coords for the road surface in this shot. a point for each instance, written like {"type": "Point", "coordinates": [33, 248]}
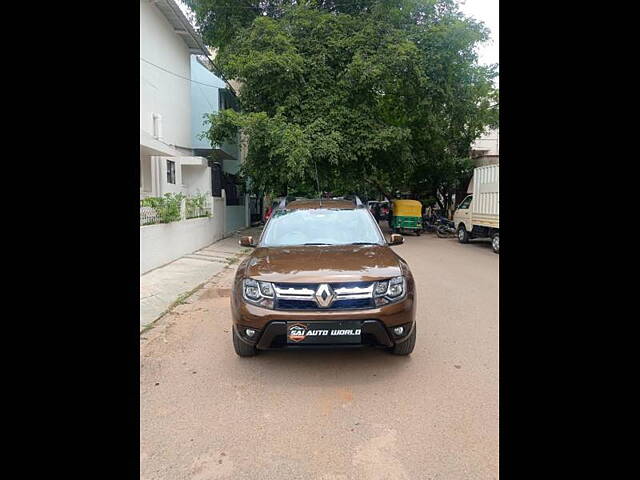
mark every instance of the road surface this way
{"type": "Point", "coordinates": [331, 415]}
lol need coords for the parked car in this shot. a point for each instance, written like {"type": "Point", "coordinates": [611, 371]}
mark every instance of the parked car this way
{"type": "Point", "coordinates": [374, 207]}
{"type": "Point", "coordinates": [322, 274]}
{"type": "Point", "coordinates": [384, 210]}
{"type": "Point", "coordinates": [478, 215]}
{"type": "Point", "coordinates": [379, 208]}
{"type": "Point", "coordinates": [271, 208]}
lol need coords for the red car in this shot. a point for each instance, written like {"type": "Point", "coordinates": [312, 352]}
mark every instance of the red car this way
{"type": "Point", "coordinates": [384, 211]}
{"type": "Point", "coordinates": [270, 210]}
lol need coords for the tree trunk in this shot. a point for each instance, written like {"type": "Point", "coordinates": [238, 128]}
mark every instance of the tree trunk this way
{"type": "Point", "coordinates": [439, 201]}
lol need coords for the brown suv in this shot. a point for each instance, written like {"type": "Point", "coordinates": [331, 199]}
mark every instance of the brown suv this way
{"type": "Point", "coordinates": [323, 275]}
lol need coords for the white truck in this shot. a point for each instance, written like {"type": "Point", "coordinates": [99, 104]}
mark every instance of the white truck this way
{"type": "Point", "coordinates": [478, 215]}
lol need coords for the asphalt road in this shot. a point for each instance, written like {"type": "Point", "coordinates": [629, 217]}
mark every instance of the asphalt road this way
{"type": "Point", "coordinates": [347, 414]}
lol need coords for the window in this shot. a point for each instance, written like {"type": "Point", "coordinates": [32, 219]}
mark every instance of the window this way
{"type": "Point", "coordinates": [171, 172]}
{"type": "Point", "coordinates": [222, 100]}
{"type": "Point", "coordinates": [157, 126]}
{"type": "Point", "coordinates": [324, 226]}
{"type": "Point", "coordinates": [226, 100]}
{"type": "Point", "coordinates": [466, 202]}
{"type": "Point", "coordinates": [216, 179]}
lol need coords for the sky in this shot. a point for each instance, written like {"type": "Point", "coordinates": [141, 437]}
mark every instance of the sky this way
{"type": "Point", "coordinates": [487, 12]}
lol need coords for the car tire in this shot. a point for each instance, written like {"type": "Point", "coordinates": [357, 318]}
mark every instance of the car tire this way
{"type": "Point", "coordinates": [242, 348]}
{"type": "Point", "coordinates": [495, 243]}
{"type": "Point", "coordinates": [463, 235]}
{"type": "Point", "coordinates": [418, 232]}
{"type": "Point", "coordinates": [406, 347]}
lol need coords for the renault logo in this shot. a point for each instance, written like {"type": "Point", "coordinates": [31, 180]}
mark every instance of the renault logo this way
{"type": "Point", "coordinates": [324, 295]}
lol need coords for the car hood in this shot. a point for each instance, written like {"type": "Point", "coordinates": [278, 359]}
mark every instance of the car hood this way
{"type": "Point", "coordinates": [315, 264]}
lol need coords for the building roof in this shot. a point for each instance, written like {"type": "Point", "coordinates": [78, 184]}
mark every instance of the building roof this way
{"type": "Point", "coordinates": [181, 26]}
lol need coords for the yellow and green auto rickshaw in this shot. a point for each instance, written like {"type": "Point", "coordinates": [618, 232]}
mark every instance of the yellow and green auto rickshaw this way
{"type": "Point", "coordinates": [407, 215]}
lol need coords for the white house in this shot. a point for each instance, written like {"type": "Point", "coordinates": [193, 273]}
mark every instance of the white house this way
{"type": "Point", "coordinates": [171, 156]}
{"type": "Point", "coordinates": [486, 150]}
{"type": "Point", "coordinates": [167, 163]}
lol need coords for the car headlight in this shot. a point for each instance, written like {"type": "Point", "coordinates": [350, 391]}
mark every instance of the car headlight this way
{"type": "Point", "coordinates": [389, 291]}
{"type": "Point", "coordinates": [257, 292]}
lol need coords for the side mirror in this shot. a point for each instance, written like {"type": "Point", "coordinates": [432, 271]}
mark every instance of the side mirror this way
{"type": "Point", "coordinates": [246, 241]}
{"type": "Point", "coordinates": [396, 239]}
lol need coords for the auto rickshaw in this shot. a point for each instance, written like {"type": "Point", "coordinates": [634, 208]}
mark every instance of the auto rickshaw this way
{"type": "Point", "coordinates": [407, 215]}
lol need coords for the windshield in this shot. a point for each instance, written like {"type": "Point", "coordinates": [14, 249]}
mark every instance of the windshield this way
{"type": "Point", "coordinates": [321, 227]}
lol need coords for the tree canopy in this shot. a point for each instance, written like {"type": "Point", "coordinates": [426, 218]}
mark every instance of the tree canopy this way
{"type": "Point", "coordinates": [356, 95]}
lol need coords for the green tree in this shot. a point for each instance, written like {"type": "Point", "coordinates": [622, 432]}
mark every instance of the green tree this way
{"type": "Point", "coordinates": [353, 95]}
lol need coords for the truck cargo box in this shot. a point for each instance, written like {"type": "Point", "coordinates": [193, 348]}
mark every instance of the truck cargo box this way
{"type": "Point", "coordinates": [485, 208]}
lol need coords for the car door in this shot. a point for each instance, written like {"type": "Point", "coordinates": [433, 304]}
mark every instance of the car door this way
{"type": "Point", "coordinates": [463, 213]}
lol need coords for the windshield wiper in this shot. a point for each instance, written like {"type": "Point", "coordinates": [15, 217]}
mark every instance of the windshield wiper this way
{"type": "Point", "coordinates": [317, 244]}
{"type": "Point", "coordinates": [364, 243]}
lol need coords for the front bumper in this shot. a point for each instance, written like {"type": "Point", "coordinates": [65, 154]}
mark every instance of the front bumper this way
{"type": "Point", "coordinates": [274, 336]}
{"type": "Point", "coordinates": [377, 324]}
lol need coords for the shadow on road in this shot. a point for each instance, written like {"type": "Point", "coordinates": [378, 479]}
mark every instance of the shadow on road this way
{"type": "Point", "coordinates": [307, 367]}
{"type": "Point", "coordinates": [484, 244]}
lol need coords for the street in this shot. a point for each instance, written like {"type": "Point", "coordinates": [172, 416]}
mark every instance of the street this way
{"type": "Point", "coordinates": [331, 414]}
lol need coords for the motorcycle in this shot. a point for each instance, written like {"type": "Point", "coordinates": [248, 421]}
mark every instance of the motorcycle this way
{"type": "Point", "coordinates": [429, 223]}
{"type": "Point", "coordinates": [439, 224]}
{"type": "Point", "coordinates": [446, 228]}
{"type": "Point", "coordinates": [435, 222]}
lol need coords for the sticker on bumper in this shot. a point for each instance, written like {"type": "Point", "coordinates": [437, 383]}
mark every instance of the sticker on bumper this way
{"type": "Point", "coordinates": [324, 332]}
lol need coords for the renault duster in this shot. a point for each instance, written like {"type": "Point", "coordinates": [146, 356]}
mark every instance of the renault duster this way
{"type": "Point", "coordinates": [323, 275]}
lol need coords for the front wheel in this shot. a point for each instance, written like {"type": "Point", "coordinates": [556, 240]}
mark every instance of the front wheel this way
{"type": "Point", "coordinates": [495, 243]}
{"type": "Point", "coordinates": [463, 235]}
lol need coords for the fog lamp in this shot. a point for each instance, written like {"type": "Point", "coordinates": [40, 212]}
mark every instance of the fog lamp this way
{"type": "Point", "coordinates": [250, 332]}
{"type": "Point", "coordinates": [398, 330]}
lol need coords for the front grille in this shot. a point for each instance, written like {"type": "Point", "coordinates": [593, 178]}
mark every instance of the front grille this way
{"type": "Point", "coordinates": [302, 296]}
{"type": "Point", "coordinates": [355, 303]}
{"type": "Point", "coordinates": [283, 304]}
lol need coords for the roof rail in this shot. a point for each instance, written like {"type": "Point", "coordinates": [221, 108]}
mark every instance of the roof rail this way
{"type": "Point", "coordinates": [357, 201]}
{"type": "Point", "coordinates": [285, 201]}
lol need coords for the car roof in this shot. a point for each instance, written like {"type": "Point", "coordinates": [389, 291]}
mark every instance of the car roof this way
{"type": "Point", "coordinates": [317, 203]}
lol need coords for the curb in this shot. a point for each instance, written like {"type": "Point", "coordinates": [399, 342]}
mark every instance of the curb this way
{"type": "Point", "coordinates": [186, 295]}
